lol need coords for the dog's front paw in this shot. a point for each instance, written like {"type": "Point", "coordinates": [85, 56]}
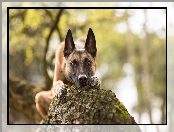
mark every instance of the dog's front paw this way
{"type": "Point", "coordinates": [61, 90]}
{"type": "Point", "coordinates": [95, 82]}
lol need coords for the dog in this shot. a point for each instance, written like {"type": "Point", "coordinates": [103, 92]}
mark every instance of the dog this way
{"type": "Point", "coordinates": [75, 64]}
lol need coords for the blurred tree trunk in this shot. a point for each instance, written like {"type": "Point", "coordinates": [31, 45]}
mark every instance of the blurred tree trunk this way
{"type": "Point", "coordinates": [131, 60]}
{"type": "Point", "coordinates": [145, 71]}
{"type": "Point", "coordinates": [22, 98]}
{"type": "Point", "coordinates": [142, 82]}
{"type": "Point", "coordinates": [48, 79]}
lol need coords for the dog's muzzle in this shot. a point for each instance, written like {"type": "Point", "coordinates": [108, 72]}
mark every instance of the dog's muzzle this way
{"type": "Point", "coordinates": [82, 79]}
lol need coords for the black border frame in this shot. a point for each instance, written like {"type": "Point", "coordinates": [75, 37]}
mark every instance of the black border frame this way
{"type": "Point", "coordinates": [8, 8]}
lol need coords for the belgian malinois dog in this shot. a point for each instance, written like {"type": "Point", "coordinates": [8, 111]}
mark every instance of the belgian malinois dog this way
{"type": "Point", "coordinates": [75, 64]}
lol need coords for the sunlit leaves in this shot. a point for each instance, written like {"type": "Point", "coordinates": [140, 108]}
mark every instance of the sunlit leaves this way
{"type": "Point", "coordinates": [29, 56]}
{"type": "Point", "coordinates": [32, 19]}
{"type": "Point", "coordinates": [45, 32]}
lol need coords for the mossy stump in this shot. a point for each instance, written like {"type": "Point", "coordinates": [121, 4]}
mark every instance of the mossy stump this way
{"type": "Point", "coordinates": [87, 105]}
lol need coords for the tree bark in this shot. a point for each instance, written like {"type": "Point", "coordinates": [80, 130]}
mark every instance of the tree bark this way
{"type": "Point", "coordinates": [48, 80]}
{"type": "Point", "coordinates": [22, 98]}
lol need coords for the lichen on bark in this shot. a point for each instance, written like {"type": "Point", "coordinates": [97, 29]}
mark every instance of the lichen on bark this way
{"type": "Point", "coordinates": [87, 105]}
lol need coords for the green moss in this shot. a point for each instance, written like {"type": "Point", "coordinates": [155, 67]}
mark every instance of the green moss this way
{"type": "Point", "coordinates": [119, 107]}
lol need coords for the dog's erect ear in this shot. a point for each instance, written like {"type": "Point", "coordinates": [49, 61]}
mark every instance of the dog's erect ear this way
{"type": "Point", "coordinates": [90, 44]}
{"type": "Point", "coordinates": [69, 44]}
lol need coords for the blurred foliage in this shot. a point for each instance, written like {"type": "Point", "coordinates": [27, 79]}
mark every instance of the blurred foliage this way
{"type": "Point", "coordinates": [30, 28]}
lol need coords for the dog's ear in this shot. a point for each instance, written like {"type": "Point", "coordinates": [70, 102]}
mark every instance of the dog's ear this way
{"type": "Point", "coordinates": [90, 44]}
{"type": "Point", "coordinates": [69, 44]}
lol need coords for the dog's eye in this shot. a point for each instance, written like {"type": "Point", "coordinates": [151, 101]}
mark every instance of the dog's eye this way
{"type": "Point", "coordinates": [89, 62]}
{"type": "Point", "coordinates": [73, 63]}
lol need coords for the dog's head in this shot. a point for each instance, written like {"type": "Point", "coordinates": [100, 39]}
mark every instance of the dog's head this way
{"type": "Point", "coordinates": [80, 62]}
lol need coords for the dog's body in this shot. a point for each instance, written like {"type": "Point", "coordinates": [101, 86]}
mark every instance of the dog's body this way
{"type": "Point", "coordinates": [75, 64]}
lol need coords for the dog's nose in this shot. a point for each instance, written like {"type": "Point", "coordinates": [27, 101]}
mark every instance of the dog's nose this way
{"type": "Point", "coordinates": [82, 78]}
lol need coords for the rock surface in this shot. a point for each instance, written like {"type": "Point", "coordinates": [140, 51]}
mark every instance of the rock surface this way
{"type": "Point", "coordinates": [87, 105]}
